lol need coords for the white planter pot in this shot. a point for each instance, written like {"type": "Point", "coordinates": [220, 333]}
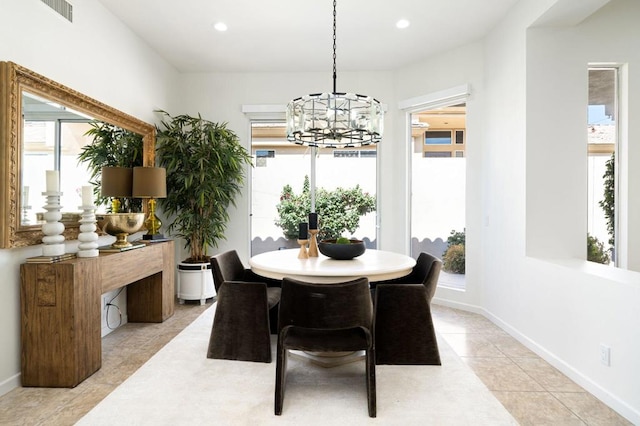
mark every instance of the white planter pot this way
{"type": "Point", "coordinates": [195, 282]}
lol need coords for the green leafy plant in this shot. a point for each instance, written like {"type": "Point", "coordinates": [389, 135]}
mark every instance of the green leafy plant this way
{"type": "Point", "coordinates": [456, 238]}
{"type": "Point", "coordinates": [453, 258]}
{"type": "Point", "coordinates": [111, 146]}
{"type": "Point", "coordinates": [608, 203]}
{"type": "Point", "coordinates": [596, 251]}
{"type": "Point", "coordinates": [205, 171]}
{"type": "Point", "coordinates": [338, 211]}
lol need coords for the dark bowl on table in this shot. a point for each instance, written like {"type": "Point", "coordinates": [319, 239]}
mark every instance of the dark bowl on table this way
{"type": "Point", "coordinates": [341, 251]}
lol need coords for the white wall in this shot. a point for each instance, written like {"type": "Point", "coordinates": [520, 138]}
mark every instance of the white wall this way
{"type": "Point", "coordinates": [592, 304]}
{"type": "Point", "coordinates": [98, 56]}
{"type": "Point", "coordinates": [536, 283]}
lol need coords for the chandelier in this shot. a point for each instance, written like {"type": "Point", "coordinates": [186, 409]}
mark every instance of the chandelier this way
{"type": "Point", "coordinates": [334, 120]}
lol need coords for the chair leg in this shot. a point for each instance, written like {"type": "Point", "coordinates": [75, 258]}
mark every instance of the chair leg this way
{"type": "Point", "coordinates": [281, 370]}
{"type": "Point", "coordinates": [371, 381]}
{"type": "Point", "coordinates": [273, 320]}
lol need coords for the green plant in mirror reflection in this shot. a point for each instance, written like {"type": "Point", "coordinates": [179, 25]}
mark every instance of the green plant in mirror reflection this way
{"type": "Point", "coordinates": [112, 146]}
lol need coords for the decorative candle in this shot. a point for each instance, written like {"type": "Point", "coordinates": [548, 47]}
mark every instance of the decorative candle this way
{"type": "Point", "coordinates": [313, 220]}
{"type": "Point", "coordinates": [87, 195]}
{"type": "Point", "coordinates": [53, 184]}
{"type": "Point", "coordinates": [303, 231]}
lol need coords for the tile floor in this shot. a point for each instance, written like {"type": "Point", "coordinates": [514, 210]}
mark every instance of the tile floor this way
{"type": "Point", "coordinates": [530, 389]}
{"type": "Point", "coordinates": [533, 391]}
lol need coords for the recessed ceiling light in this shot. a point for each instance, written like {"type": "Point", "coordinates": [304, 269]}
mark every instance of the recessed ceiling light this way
{"type": "Point", "coordinates": [403, 23]}
{"type": "Point", "coordinates": [220, 26]}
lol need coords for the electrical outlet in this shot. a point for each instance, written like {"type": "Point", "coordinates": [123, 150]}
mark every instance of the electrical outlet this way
{"type": "Point", "coordinates": [605, 355]}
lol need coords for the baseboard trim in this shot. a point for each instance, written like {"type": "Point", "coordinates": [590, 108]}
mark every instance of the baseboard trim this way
{"type": "Point", "coordinates": [614, 402]}
{"type": "Point", "coordinates": [459, 305]}
{"type": "Point", "coordinates": [10, 384]}
{"type": "Point", "coordinates": [611, 400]}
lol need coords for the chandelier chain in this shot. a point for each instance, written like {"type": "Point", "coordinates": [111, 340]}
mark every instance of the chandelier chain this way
{"type": "Point", "coordinates": [334, 46]}
{"type": "Point", "coordinates": [335, 120]}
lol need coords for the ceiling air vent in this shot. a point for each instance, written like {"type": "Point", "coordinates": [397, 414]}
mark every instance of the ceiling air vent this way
{"type": "Point", "coordinates": [62, 7]}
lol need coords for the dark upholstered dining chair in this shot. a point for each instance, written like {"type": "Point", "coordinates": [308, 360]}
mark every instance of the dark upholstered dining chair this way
{"type": "Point", "coordinates": [404, 331]}
{"type": "Point", "coordinates": [426, 272]}
{"type": "Point", "coordinates": [325, 318]}
{"type": "Point", "coordinates": [246, 312]}
{"type": "Point", "coordinates": [240, 328]}
{"type": "Point", "coordinates": [227, 266]}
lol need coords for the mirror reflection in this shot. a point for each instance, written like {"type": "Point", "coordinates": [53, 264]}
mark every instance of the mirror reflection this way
{"type": "Point", "coordinates": [53, 137]}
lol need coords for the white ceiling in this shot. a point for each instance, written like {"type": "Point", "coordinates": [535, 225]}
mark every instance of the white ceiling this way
{"type": "Point", "coordinates": [296, 35]}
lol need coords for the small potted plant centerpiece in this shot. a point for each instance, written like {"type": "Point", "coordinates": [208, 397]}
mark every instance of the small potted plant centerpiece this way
{"type": "Point", "coordinates": [205, 166]}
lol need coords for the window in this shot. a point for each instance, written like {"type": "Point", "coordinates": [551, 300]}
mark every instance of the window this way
{"type": "Point", "coordinates": [48, 143]}
{"type": "Point", "coordinates": [344, 168]}
{"type": "Point", "coordinates": [602, 142]}
{"type": "Point", "coordinates": [437, 154]}
{"type": "Point", "coordinates": [438, 180]}
{"type": "Point", "coordinates": [265, 153]}
{"type": "Point", "coordinates": [442, 143]}
{"type": "Point", "coordinates": [437, 137]}
{"type": "Point", "coordinates": [459, 137]}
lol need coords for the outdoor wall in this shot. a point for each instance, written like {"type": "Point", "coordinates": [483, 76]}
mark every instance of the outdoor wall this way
{"type": "Point", "coordinates": [95, 55]}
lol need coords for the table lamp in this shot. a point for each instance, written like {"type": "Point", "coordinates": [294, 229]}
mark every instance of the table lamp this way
{"type": "Point", "coordinates": [117, 183]}
{"type": "Point", "coordinates": [151, 183]}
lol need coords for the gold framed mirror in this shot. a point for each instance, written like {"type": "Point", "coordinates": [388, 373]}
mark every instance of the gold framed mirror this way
{"type": "Point", "coordinates": [15, 81]}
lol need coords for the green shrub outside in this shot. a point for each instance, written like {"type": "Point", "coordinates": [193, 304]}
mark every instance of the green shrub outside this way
{"type": "Point", "coordinates": [453, 258]}
{"type": "Point", "coordinates": [339, 211]}
{"type": "Point", "coordinates": [596, 251]}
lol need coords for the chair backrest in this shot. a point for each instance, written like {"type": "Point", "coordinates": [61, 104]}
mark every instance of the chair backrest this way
{"type": "Point", "coordinates": [325, 306]}
{"type": "Point", "coordinates": [226, 266]}
{"type": "Point", "coordinates": [427, 272]}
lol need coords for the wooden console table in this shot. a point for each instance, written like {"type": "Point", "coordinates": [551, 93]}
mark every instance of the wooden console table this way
{"type": "Point", "coordinates": [61, 308]}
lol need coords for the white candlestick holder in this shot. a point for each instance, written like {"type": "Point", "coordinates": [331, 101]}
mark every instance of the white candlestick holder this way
{"type": "Point", "coordinates": [25, 215]}
{"type": "Point", "coordinates": [53, 240]}
{"type": "Point", "coordinates": [88, 236]}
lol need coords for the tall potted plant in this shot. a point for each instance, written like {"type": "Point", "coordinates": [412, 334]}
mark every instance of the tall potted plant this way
{"type": "Point", "coordinates": [205, 166]}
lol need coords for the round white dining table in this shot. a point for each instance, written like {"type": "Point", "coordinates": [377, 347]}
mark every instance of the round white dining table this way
{"type": "Point", "coordinates": [376, 265]}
